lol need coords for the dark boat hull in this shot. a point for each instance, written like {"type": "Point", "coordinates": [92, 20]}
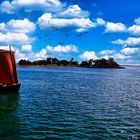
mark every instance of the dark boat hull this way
{"type": "Point", "coordinates": [9, 88]}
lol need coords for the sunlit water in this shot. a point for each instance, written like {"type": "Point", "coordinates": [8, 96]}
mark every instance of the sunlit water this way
{"type": "Point", "coordinates": [73, 103]}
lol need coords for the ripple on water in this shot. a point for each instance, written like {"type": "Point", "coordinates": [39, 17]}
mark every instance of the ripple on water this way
{"type": "Point", "coordinates": [73, 103]}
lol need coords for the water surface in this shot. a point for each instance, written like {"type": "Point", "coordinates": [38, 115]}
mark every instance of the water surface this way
{"type": "Point", "coordinates": [73, 103]}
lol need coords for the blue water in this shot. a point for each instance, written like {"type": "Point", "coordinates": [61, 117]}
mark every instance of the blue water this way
{"type": "Point", "coordinates": [73, 103]}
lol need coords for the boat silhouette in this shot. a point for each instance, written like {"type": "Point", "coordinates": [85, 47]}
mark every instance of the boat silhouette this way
{"type": "Point", "coordinates": [8, 73]}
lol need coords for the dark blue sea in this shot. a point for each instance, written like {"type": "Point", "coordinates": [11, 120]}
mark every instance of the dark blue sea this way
{"type": "Point", "coordinates": [62, 103]}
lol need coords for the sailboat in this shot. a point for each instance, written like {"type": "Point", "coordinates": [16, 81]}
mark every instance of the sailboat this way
{"type": "Point", "coordinates": [8, 73]}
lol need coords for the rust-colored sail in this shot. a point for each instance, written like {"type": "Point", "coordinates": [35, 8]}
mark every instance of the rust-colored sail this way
{"type": "Point", "coordinates": [8, 74]}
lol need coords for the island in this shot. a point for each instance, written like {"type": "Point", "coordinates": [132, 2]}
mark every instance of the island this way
{"type": "Point", "coordinates": [98, 63]}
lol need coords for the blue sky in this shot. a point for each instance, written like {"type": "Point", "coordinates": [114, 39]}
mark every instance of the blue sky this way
{"type": "Point", "coordinates": [83, 29]}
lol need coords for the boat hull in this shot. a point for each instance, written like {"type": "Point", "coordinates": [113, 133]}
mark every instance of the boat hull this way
{"type": "Point", "coordinates": [9, 88]}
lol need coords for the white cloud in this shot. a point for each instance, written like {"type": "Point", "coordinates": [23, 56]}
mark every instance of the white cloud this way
{"type": "Point", "coordinates": [135, 30]}
{"type": "Point", "coordinates": [6, 7]}
{"type": "Point", "coordinates": [41, 55]}
{"type": "Point", "coordinates": [29, 5]}
{"type": "Point", "coordinates": [130, 51]}
{"type": "Point", "coordinates": [62, 49]}
{"type": "Point", "coordinates": [18, 26]}
{"type": "Point", "coordinates": [131, 41]}
{"type": "Point", "coordinates": [105, 57]}
{"type": "Point", "coordinates": [119, 56]}
{"type": "Point", "coordinates": [2, 26]}
{"type": "Point", "coordinates": [47, 22]}
{"type": "Point", "coordinates": [114, 27]}
{"type": "Point", "coordinates": [88, 55]}
{"type": "Point", "coordinates": [100, 21]}
{"type": "Point", "coordinates": [107, 52]}
{"type": "Point", "coordinates": [7, 48]}
{"type": "Point", "coordinates": [137, 20]}
{"type": "Point", "coordinates": [73, 11]}
{"type": "Point", "coordinates": [20, 55]}
{"type": "Point", "coordinates": [26, 48]}
{"type": "Point", "coordinates": [15, 38]}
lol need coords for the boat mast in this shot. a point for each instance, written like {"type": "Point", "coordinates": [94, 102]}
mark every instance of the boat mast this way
{"type": "Point", "coordinates": [13, 64]}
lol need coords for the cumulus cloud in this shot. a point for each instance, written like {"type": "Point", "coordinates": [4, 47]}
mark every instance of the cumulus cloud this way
{"type": "Point", "coordinates": [62, 49]}
{"type": "Point", "coordinates": [114, 27]}
{"type": "Point", "coordinates": [48, 22]}
{"type": "Point", "coordinates": [137, 20]}
{"type": "Point", "coordinates": [135, 29]}
{"type": "Point", "coordinates": [6, 7]}
{"type": "Point", "coordinates": [100, 22]}
{"type": "Point", "coordinates": [106, 57]}
{"type": "Point", "coordinates": [41, 54]}
{"type": "Point", "coordinates": [26, 48]}
{"type": "Point", "coordinates": [88, 55]}
{"type": "Point", "coordinates": [18, 26]}
{"type": "Point", "coordinates": [57, 16]}
{"type": "Point", "coordinates": [29, 5]}
{"type": "Point", "coordinates": [26, 52]}
{"type": "Point", "coordinates": [119, 56]}
{"type": "Point", "coordinates": [131, 41]}
{"type": "Point", "coordinates": [16, 32]}
{"type": "Point", "coordinates": [15, 38]}
{"type": "Point", "coordinates": [7, 48]}
{"type": "Point", "coordinates": [107, 52]}
{"type": "Point", "coordinates": [20, 55]}
{"type": "Point", "coordinates": [124, 55]}
{"type": "Point", "coordinates": [130, 51]}
{"type": "Point", "coordinates": [73, 11]}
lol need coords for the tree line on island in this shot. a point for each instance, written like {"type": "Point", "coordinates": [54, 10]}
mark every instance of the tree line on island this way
{"type": "Point", "coordinates": [98, 63]}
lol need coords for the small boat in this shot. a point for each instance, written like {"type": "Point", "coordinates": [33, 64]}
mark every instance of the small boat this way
{"type": "Point", "coordinates": [8, 73]}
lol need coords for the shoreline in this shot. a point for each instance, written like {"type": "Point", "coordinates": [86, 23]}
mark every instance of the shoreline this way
{"type": "Point", "coordinates": [72, 66]}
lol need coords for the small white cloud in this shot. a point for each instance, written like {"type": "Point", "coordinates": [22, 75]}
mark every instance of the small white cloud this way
{"type": "Point", "coordinates": [26, 48]}
{"type": "Point", "coordinates": [115, 27]}
{"type": "Point", "coordinates": [7, 48]}
{"type": "Point", "coordinates": [119, 56]}
{"type": "Point", "coordinates": [88, 55]}
{"type": "Point", "coordinates": [2, 26]}
{"type": "Point", "coordinates": [100, 21]}
{"type": "Point", "coordinates": [107, 52]}
{"type": "Point", "coordinates": [131, 41]}
{"type": "Point", "coordinates": [137, 21]}
{"type": "Point", "coordinates": [15, 38]}
{"type": "Point", "coordinates": [41, 55]}
{"type": "Point", "coordinates": [73, 11]}
{"type": "Point", "coordinates": [105, 57]}
{"type": "Point", "coordinates": [6, 7]}
{"type": "Point", "coordinates": [20, 55]}
{"type": "Point", "coordinates": [18, 26]}
{"type": "Point", "coordinates": [62, 49]}
{"type": "Point", "coordinates": [135, 30]}
{"type": "Point", "coordinates": [130, 51]}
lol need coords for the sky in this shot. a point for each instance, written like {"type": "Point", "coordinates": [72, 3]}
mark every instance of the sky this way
{"type": "Point", "coordinates": [82, 29]}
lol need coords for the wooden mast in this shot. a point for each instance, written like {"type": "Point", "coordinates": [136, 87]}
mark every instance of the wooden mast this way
{"type": "Point", "coordinates": [14, 74]}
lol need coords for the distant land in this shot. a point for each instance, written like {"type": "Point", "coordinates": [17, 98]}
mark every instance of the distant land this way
{"type": "Point", "coordinates": [98, 63]}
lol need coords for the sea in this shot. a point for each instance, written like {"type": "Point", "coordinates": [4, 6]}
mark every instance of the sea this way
{"type": "Point", "coordinates": [71, 103]}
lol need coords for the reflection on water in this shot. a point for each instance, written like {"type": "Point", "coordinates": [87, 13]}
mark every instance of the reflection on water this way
{"type": "Point", "coordinates": [9, 125]}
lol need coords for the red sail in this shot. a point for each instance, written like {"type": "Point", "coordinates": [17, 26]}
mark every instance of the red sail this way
{"type": "Point", "coordinates": [8, 74]}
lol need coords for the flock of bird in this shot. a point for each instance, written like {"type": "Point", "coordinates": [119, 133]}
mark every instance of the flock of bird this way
{"type": "Point", "coordinates": [43, 35]}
